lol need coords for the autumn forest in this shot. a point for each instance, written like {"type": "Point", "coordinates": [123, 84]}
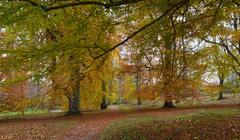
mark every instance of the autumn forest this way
{"type": "Point", "coordinates": [119, 69]}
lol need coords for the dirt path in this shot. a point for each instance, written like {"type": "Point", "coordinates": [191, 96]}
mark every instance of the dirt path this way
{"type": "Point", "coordinates": [82, 127]}
{"type": "Point", "coordinates": [90, 125]}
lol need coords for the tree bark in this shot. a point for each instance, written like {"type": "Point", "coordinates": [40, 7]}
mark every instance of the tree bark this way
{"type": "Point", "coordinates": [74, 101]}
{"type": "Point", "coordinates": [220, 94]}
{"type": "Point", "coordinates": [73, 107]}
{"type": "Point", "coordinates": [74, 98]}
{"type": "Point", "coordinates": [138, 84]}
{"type": "Point", "coordinates": [167, 75]}
{"type": "Point", "coordinates": [104, 98]}
{"type": "Point", "coordinates": [168, 104]}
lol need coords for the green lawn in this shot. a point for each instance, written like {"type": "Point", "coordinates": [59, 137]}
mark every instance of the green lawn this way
{"type": "Point", "coordinates": [29, 114]}
{"type": "Point", "coordinates": [202, 125]}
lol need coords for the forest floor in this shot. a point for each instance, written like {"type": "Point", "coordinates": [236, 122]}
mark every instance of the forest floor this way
{"type": "Point", "coordinates": [90, 125]}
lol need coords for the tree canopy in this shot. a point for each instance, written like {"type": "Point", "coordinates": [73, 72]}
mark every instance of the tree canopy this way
{"type": "Point", "coordinates": [80, 50]}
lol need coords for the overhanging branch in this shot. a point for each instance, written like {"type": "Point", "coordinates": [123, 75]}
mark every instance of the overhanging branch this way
{"type": "Point", "coordinates": [226, 48]}
{"type": "Point", "coordinates": [235, 2]}
{"type": "Point", "coordinates": [79, 3]}
{"type": "Point", "coordinates": [176, 6]}
{"type": "Point", "coordinates": [44, 8]}
{"type": "Point", "coordinates": [236, 71]}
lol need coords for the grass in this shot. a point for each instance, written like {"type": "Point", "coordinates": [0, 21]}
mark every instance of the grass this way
{"type": "Point", "coordinates": [132, 107]}
{"type": "Point", "coordinates": [27, 114]}
{"type": "Point", "coordinates": [207, 100]}
{"type": "Point", "coordinates": [138, 124]}
{"type": "Point", "coordinates": [221, 124]}
{"type": "Point", "coordinates": [126, 107]}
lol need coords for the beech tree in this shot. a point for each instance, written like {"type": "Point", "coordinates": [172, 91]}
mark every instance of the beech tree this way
{"type": "Point", "coordinates": [62, 42]}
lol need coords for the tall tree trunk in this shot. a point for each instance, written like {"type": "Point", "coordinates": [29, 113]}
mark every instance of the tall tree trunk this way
{"type": "Point", "coordinates": [120, 89]}
{"type": "Point", "coordinates": [74, 98]}
{"type": "Point", "coordinates": [138, 86]}
{"type": "Point", "coordinates": [22, 94]}
{"type": "Point", "coordinates": [104, 99]}
{"type": "Point", "coordinates": [52, 100]}
{"type": "Point", "coordinates": [51, 38]}
{"type": "Point", "coordinates": [110, 90]}
{"type": "Point", "coordinates": [167, 76]}
{"type": "Point", "coordinates": [220, 94]}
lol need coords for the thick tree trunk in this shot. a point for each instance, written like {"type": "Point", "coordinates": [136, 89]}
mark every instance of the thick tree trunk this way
{"type": "Point", "coordinates": [104, 103]}
{"type": "Point", "coordinates": [168, 72]}
{"type": "Point", "coordinates": [73, 107]}
{"type": "Point", "coordinates": [104, 99]}
{"type": "Point", "coordinates": [74, 98]}
{"type": "Point", "coordinates": [139, 101]}
{"type": "Point", "coordinates": [168, 104]}
{"type": "Point", "coordinates": [220, 94]}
